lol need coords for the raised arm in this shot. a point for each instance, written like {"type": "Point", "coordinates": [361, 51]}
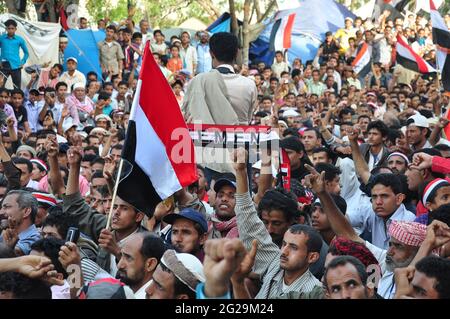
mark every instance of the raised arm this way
{"type": "Point", "coordinates": [362, 169]}
{"type": "Point", "coordinates": [249, 224]}
{"type": "Point", "coordinates": [339, 223]}
{"type": "Point", "coordinates": [54, 176]}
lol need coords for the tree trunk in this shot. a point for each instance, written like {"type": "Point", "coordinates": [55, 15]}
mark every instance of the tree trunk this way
{"type": "Point", "coordinates": [11, 6]}
{"type": "Point", "coordinates": [234, 21]}
{"type": "Point", "coordinates": [245, 32]}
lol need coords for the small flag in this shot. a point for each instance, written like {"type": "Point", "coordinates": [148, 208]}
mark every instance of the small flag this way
{"type": "Point", "coordinates": [409, 59]}
{"type": "Point", "coordinates": [281, 35]}
{"type": "Point", "coordinates": [362, 63]}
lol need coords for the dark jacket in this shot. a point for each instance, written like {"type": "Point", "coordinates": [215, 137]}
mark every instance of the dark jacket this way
{"type": "Point", "coordinates": [365, 150]}
{"type": "Point", "coordinates": [91, 223]}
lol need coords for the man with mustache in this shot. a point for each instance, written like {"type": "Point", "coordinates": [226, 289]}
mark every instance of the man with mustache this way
{"type": "Point", "coordinates": [189, 232]}
{"type": "Point", "coordinates": [281, 270]}
{"type": "Point", "coordinates": [140, 255]}
{"type": "Point", "coordinates": [222, 223]}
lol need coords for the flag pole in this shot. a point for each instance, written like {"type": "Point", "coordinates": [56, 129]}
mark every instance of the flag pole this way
{"type": "Point", "coordinates": [116, 185]}
{"type": "Point", "coordinates": [119, 171]}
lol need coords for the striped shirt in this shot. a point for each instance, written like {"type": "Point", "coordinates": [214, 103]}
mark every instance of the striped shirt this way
{"type": "Point", "coordinates": [267, 261]}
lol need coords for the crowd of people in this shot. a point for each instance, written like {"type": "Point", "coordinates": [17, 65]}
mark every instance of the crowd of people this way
{"type": "Point", "coordinates": [366, 214]}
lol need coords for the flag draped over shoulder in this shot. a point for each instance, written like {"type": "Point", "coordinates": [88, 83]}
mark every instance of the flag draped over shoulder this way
{"type": "Point", "coordinates": [157, 145]}
{"type": "Point", "coordinates": [441, 38]}
{"type": "Point", "coordinates": [410, 59]}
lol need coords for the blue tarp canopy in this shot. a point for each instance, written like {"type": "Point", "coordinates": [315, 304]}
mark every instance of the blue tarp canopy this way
{"type": "Point", "coordinates": [313, 19]}
{"type": "Point", "coordinates": [83, 46]}
{"type": "Point", "coordinates": [222, 24]}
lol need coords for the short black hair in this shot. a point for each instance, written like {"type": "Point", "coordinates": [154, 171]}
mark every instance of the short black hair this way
{"type": "Point", "coordinates": [441, 214]}
{"type": "Point", "coordinates": [59, 84]}
{"type": "Point", "coordinates": [380, 126]}
{"type": "Point", "coordinates": [439, 269]}
{"type": "Point", "coordinates": [99, 160]}
{"type": "Point", "coordinates": [112, 27]}
{"type": "Point", "coordinates": [323, 149]}
{"type": "Point", "coordinates": [342, 261]}
{"type": "Point", "coordinates": [224, 46]}
{"type": "Point", "coordinates": [50, 247]}
{"type": "Point", "coordinates": [291, 131]}
{"type": "Point", "coordinates": [314, 242]}
{"type": "Point", "coordinates": [21, 160]}
{"type": "Point", "coordinates": [281, 200]}
{"type": "Point", "coordinates": [388, 180]}
{"type": "Point", "coordinates": [60, 220]}
{"type": "Point", "coordinates": [331, 171]}
{"type": "Point", "coordinates": [89, 158]}
{"type": "Point", "coordinates": [104, 96]}
{"type": "Point", "coordinates": [17, 91]}
{"type": "Point", "coordinates": [10, 22]}
{"type": "Point", "coordinates": [23, 287]}
{"type": "Point", "coordinates": [153, 246]}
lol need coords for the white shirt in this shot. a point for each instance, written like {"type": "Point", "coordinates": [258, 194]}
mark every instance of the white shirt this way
{"type": "Point", "coordinates": [141, 294]}
{"type": "Point", "coordinates": [77, 77]}
{"type": "Point", "coordinates": [189, 57]}
{"type": "Point", "coordinates": [33, 184]}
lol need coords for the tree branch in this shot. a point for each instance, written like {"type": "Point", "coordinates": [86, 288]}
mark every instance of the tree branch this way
{"type": "Point", "coordinates": [269, 9]}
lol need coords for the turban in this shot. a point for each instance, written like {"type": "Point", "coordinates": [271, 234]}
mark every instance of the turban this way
{"type": "Point", "coordinates": [346, 247]}
{"type": "Point", "coordinates": [27, 148]}
{"type": "Point", "coordinates": [408, 233]}
{"type": "Point", "coordinates": [45, 199]}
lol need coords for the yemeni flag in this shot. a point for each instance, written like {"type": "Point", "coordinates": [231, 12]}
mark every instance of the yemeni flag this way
{"type": "Point", "coordinates": [281, 35]}
{"type": "Point", "coordinates": [409, 59]}
{"type": "Point", "coordinates": [441, 38]}
{"type": "Point", "coordinates": [362, 63]}
{"type": "Point", "coordinates": [158, 151]}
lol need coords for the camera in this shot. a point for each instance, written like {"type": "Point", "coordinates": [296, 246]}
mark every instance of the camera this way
{"type": "Point", "coordinates": [73, 234]}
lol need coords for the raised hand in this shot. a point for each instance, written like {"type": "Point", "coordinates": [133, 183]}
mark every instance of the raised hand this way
{"type": "Point", "coordinates": [51, 146]}
{"type": "Point", "coordinates": [69, 255]}
{"type": "Point", "coordinates": [422, 161]}
{"type": "Point", "coordinates": [314, 180]}
{"type": "Point", "coordinates": [74, 155]}
{"type": "Point", "coordinates": [239, 157]}
{"type": "Point", "coordinates": [247, 263]}
{"type": "Point", "coordinates": [222, 259]}
{"type": "Point", "coordinates": [109, 167]}
{"type": "Point", "coordinates": [107, 241]}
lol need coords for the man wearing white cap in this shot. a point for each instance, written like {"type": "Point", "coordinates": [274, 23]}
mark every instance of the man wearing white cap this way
{"type": "Point", "coordinates": [417, 132]}
{"type": "Point", "coordinates": [290, 116]}
{"type": "Point", "coordinates": [176, 277]}
{"type": "Point", "coordinates": [345, 33]}
{"type": "Point", "coordinates": [72, 75]}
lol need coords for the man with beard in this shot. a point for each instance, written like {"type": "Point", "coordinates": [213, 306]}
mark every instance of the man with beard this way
{"type": "Point", "coordinates": [140, 255]}
{"type": "Point", "coordinates": [223, 221]}
{"type": "Point", "coordinates": [417, 132]}
{"type": "Point", "coordinates": [278, 210]}
{"type": "Point", "coordinates": [397, 162]}
{"type": "Point", "coordinates": [189, 232]}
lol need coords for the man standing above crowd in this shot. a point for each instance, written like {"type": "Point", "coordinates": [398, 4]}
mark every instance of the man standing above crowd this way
{"type": "Point", "coordinates": [188, 53]}
{"type": "Point", "coordinates": [111, 54]}
{"type": "Point", "coordinates": [10, 61]}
